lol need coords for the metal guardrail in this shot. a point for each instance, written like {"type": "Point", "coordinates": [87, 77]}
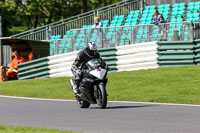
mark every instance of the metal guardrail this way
{"type": "Point", "coordinates": [60, 27]}
{"type": "Point", "coordinates": [124, 35]}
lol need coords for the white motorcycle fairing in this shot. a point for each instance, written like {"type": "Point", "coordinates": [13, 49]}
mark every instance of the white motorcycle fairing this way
{"type": "Point", "coordinates": [99, 73]}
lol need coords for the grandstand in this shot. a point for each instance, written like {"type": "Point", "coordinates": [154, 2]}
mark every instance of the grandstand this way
{"type": "Point", "coordinates": [124, 23]}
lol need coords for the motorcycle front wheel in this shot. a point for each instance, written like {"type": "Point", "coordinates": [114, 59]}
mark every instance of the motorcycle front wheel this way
{"type": "Point", "coordinates": [102, 99]}
{"type": "Point", "coordinates": [82, 103]}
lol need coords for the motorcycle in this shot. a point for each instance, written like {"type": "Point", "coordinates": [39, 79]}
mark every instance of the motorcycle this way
{"type": "Point", "coordinates": [92, 88]}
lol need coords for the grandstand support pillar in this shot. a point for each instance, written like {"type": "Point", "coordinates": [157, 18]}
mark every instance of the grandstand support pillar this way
{"type": "Point", "coordinates": [191, 32]}
{"type": "Point", "coordinates": [71, 41]}
{"type": "Point", "coordinates": [148, 33]}
{"type": "Point", "coordinates": [85, 39]}
{"type": "Point", "coordinates": [49, 30]}
{"type": "Point", "coordinates": [158, 3]}
{"type": "Point", "coordinates": [182, 35]}
{"type": "Point", "coordinates": [47, 33]}
{"type": "Point", "coordinates": [132, 36]}
{"type": "Point", "coordinates": [100, 37]}
{"type": "Point", "coordinates": [164, 37]}
{"type": "Point", "coordinates": [142, 4]}
{"type": "Point", "coordinates": [173, 2]}
{"type": "Point", "coordinates": [116, 39]}
{"type": "Point", "coordinates": [97, 14]}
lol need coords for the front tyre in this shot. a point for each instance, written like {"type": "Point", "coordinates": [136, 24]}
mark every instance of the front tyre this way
{"type": "Point", "coordinates": [82, 103]}
{"type": "Point", "coordinates": [102, 100]}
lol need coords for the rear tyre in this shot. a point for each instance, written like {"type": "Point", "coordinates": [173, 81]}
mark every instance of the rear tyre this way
{"type": "Point", "coordinates": [102, 100]}
{"type": "Point", "coordinates": [82, 103]}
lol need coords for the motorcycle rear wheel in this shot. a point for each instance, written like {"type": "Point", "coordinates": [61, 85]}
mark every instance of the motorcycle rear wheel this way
{"type": "Point", "coordinates": [82, 103]}
{"type": "Point", "coordinates": [102, 100]}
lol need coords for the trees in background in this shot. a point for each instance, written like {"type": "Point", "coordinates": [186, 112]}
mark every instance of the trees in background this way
{"type": "Point", "coordinates": [20, 15]}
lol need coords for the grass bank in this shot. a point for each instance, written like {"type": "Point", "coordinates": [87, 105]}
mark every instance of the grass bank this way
{"type": "Point", "coordinates": [167, 85]}
{"type": "Point", "coordinates": [18, 129]}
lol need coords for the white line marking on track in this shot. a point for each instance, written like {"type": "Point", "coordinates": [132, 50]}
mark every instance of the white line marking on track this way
{"type": "Point", "coordinates": [130, 102]}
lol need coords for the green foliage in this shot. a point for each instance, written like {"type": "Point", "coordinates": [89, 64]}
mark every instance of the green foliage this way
{"type": "Point", "coordinates": [35, 13]}
{"type": "Point", "coordinates": [168, 85]}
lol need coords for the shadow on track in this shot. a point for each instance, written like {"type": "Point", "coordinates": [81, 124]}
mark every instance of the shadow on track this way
{"type": "Point", "coordinates": [125, 107]}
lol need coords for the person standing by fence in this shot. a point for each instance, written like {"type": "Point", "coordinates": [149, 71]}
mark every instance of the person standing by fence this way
{"type": "Point", "coordinates": [97, 25]}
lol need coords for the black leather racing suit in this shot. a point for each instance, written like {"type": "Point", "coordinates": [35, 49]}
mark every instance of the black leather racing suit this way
{"type": "Point", "coordinates": [81, 58]}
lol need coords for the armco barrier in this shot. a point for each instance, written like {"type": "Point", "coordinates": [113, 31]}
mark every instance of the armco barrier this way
{"type": "Point", "coordinates": [59, 65]}
{"type": "Point", "coordinates": [122, 58]}
{"type": "Point", "coordinates": [137, 56]}
{"type": "Point", "coordinates": [176, 53]}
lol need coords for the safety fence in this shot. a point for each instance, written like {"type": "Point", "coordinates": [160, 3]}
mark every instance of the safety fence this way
{"type": "Point", "coordinates": [121, 58]}
{"type": "Point", "coordinates": [122, 35]}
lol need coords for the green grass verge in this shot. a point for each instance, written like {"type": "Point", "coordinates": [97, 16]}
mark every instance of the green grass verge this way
{"type": "Point", "coordinates": [18, 129]}
{"type": "Point", "coordinates": [168, 85]}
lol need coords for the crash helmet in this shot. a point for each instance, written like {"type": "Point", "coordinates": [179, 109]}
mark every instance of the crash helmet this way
{"type": "Point", "coordinates": [91, 49]}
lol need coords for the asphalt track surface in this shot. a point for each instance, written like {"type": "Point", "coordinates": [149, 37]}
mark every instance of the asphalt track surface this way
{"type": "Point", "coordinates": [119, 117]}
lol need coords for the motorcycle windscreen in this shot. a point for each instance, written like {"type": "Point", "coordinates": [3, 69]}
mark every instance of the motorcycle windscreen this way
{"type": "Point", "coordinates": [99, 73]}
{"type": "Point", "coordinates": [94, 63]}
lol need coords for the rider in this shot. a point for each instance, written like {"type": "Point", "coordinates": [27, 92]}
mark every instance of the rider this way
{"type": "Point", "coordinates": [88, 53]}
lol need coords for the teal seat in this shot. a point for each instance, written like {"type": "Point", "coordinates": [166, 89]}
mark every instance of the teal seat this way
{"type": "Point", "coordinates": [161, 7]}
{"type": "Point", "coordinates": [190, 8]}
{"type": "Point", "coordinates": [181, 4]}
{"type": "Point", "coordinates": [145, 12]}
{"type": "Point", "coordinates": [131, 12]}
{"type": "Point", "coordinates": [129, 16]}
{"type": "Point", "coordinates": [195, 19]}
{"type": "Point", "coordinates": [121, 17]}
{"type": "Point", "coordinates": [114, 21]}
{"type": "Point", "coordinates": [109, 35]}
{"type": "Point", "coordinates": [176, 5]}
{"type": "Point", "coordinates": [128, 20]}
{"type": "Point", "coordinates": [115, 17]}
{"type": "Point", "coordinates": [118, 24]}
{"type": "Point", "coordinates": [196, 8]}
{"type": "Point", "coordinates": [146, 8]}
{"type": "Point", "coordinates": [191, 4]}
{"type": "Point", "coordinates": [127, 24]}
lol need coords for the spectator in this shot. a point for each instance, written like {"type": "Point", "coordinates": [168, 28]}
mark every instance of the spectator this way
{"type": "Point", "coordinates": [97, 23]}
{"type": "Point", "coordinates": [13, 67]}
{"type": "Point", "coordinates": [157, 18]}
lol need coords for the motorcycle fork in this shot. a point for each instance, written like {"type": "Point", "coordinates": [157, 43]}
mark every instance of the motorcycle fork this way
{"type": "Point", "coordinates": [96, 94]}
